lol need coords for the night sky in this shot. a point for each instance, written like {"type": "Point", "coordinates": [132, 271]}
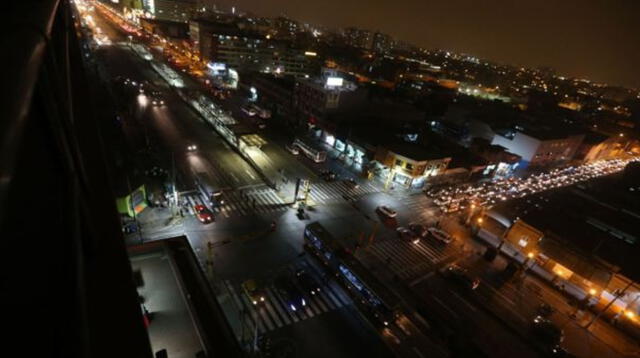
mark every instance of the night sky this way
{"type": "Point", "coordinates": [599, 40]}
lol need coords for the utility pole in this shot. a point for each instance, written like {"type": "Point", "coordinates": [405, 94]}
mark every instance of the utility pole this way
{"type": "Point", "coordinates": [388, 181]}
{"type": "Point", "coordinates": [173, 179]}
{"type": "Point", "coordinates": [620, 293]}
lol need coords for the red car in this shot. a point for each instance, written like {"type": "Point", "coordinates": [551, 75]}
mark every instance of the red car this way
{"type": "Point", "coordinates": [204, 215]}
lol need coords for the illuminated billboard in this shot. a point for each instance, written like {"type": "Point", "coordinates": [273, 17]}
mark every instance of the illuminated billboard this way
{"type": "Point", "coordinates": [217, 67]}
{"type": "Point", "coordinates": [334, 81]}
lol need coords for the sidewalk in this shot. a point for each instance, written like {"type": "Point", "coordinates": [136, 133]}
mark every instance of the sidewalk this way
{"type": "Point", "coordinates": [154, 223]}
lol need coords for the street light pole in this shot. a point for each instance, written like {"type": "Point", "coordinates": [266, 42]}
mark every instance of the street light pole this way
{"type": "Point", "coordinates": [620, 293]}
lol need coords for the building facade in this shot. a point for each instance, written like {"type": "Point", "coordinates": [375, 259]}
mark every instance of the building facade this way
{"type": "Point", "coordinates": [382, 43]}
{"type": "Point", "coordinates": [245, 50]}
{"type": "Point", "coordinates": [358, 38]}
{"type": "Point", "coordinates": [409, 165]}
{"type": "Point", "coordinates": [173, 10]}
{"type": "Point", "coordinates": [540, 150]}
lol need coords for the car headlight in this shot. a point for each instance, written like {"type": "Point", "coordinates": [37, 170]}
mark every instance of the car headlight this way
{"type": "Point", "coordinates": [255, 302]}
{"type": "Point", "coordinates": [293, 308]}
{"type": "Point", "coordinates": [304, 303]}
{"type": "Point", "coordinates": [262, 299]}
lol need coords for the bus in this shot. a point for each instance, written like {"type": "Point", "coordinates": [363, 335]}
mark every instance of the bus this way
{"type": "Point", "coordinates": [202, 184]}
{"type": "Point", "coordinates": [312, 151]}
{"type": "Point", "coordinates": [367, 292]}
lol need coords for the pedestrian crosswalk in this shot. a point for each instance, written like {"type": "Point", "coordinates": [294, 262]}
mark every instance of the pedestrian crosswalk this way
{"type": "Point", "coordinates": [422, 206]}
{"type": "Point", "coordinates": [274, 313]}
{"type": "Point", "coordinates": [339, 190]}
{"type": "Point", "coordinates": [240, 202]}
{"type": "Point", "coordinates": [408, 260]}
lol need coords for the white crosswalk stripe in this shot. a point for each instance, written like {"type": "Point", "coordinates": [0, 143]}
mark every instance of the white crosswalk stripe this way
{"type": "Point", "coordinates": [274, 313]}
{"type": "Point", "coordinates": [338, 190]}
{"type": "Point", "coordinates": [406, 259]}
{"type": "Point", "coordinates": [235, 203]}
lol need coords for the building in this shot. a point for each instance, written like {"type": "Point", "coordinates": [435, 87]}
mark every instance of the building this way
{"type": "Point", "coordinates": [201, 33]}
{"type": "Point", "coordinates": [245, 50]}
{"type": "Point", "coordinates": [540, 148]}
{"type": "Point", "coordinates": [314, 97]}
{"type": "Point", "coordinates": [166, 28]}
{"type": "Point", "coordinates": [409, 164]}
{"type": "Point", "coordinates": [358, 38]}
{"type": "Point", "coordinates": [597, 146]}
{"type": "Point", "coordinates": [277, 90]}
{"type": "Point", "coordinates": [173, 10]}
{"type": "Point", "coordinates": [286, 28]}
{"type": "Point", "coordinates": [587, 241]}
{"type": "Point", "coordinates": [382, 43]}
{"type": "Point", "coordinates": [500, 162]}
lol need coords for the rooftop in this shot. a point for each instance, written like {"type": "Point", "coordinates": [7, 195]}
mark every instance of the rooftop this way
{"type": "Point", "coordinates": [600, 219]}
{"type": "Point", "coordinates": [416, 151]}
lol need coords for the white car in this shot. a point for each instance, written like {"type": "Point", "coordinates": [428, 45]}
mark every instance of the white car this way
{"type": "Point", "coordinates": [387, 211]}
{"type": "Point", "coordinates": [249, 111]}
{"type": "Point", "coordinates": [292, 149]}
{"type": "Point", "coordinates": [440, 235]}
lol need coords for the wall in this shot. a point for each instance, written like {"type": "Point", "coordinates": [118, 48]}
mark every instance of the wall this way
{"type": "Point", "coordinates": [521, 144]}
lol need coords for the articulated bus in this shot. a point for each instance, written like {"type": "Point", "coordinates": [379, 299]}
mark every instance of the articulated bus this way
{"type": "Point", "coordinates": [312, 151]}
{"type": "Point", "coordinates": [364, 288]}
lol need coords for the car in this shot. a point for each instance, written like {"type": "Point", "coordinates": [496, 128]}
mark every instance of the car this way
{"type": "Point", "coordinates": [156, 99]}
{"type": "Point", "coordinates": [387, 211]}
{"type": "Point", "coordinates": [254, 292]}
{"type": "Point", "coordinates": [290, 293]}
{"type": "Point", "coordinates": [440, 235]}
{"type": "Point", "coordinates": [546, 332]}
{"type": "Point", "coordinates": [292, 149]}
{"type": "Point", "coordinates": [204, 215]}
{"type": "Point", "coordinates": [351, 183]}
{"type": "Point", "coordinates": [192, 147]}
{"type": "Point", "coordinates": [418, 229]}
{"type": "Point", "coordinates": [462, 276]}
{"type": "Point", "coordinates": [406, 234]}
{"type": "Point", "coordinates": [307, 282]}
{"type": "Point", "coordinates": [328, 175]}
{"type": "Point", "coordinates": [249, 111]}
{"type": "Point", "coordinates": [216, 198]}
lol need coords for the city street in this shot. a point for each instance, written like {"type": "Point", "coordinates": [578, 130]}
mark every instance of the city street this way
{"type": "Point", "coordinates": [241, 228]}
{"type": "Point", "coordinates": [248, 206]}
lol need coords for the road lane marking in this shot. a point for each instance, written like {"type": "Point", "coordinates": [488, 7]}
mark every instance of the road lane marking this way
{"type": "Point", "coordinates": [464, 301]}
{"type": "Point", "coordinates": [445, 306]}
